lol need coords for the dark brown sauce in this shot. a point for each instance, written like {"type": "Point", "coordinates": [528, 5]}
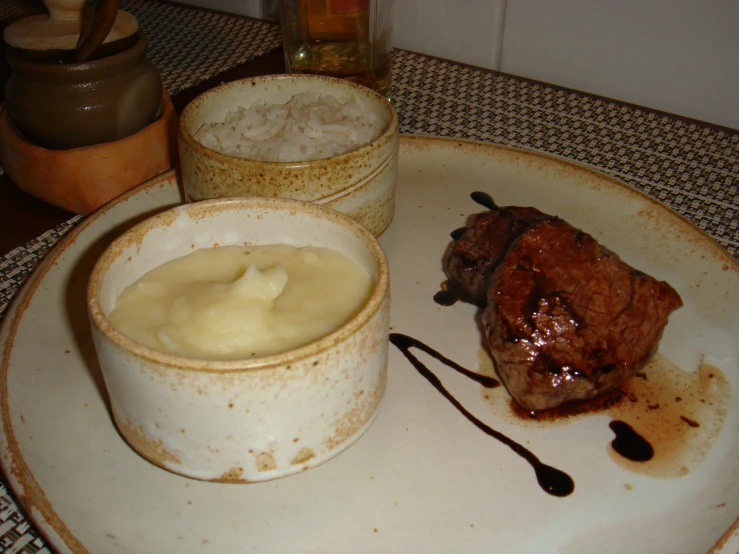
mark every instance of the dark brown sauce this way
{"type": "Point", "coordinates": [678, 412]}
{"type": "Point", "coordinates": [550, 479]}
{"type": "Point", "coordinates": [402, 340]}
{"type": "Point", "coordinates": [446, 298]}
{"type": "Point", "coordinates": [630, 444]}
{"type": "Point", "coordinates": [690, 421]}
{"type": "Point", "coordinates": [458, 233]}
{"type": "Point", "coordinates": [485, 200]}
{"type": "Point", "coordinates": [681, 412]}
{"type": "Point", "coordinates": [561, 414]}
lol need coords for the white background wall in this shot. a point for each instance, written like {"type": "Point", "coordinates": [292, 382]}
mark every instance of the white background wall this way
{"type": "Point", "coordinates": [466, 31]}
{"type": "Point", "coordinates": [253, 8]}
{"type": "Point", "coordinates": [678, 56]}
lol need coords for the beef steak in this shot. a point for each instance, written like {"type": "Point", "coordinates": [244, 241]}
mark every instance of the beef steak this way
{"type": "Point", "coordinates": [566, 319]}
{"type": "Point", "coordinates": [470, 260]}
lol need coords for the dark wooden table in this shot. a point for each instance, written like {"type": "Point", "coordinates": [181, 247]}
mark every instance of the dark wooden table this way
{"type": "Point", "coordinates": [24, 217]}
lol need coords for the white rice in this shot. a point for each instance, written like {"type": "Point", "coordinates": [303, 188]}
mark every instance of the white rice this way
{"type": "Point", "coordinates": [308, 127]}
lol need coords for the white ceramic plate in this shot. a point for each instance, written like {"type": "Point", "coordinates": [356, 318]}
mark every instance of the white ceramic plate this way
{"type": "Point", "coordinates": [423, 478]}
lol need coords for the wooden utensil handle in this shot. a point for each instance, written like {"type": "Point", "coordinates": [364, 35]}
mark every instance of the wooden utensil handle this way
{"type": "Point", "coordinates": [98, 17]}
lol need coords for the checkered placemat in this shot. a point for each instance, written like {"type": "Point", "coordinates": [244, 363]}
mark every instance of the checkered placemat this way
{"type": "Point", "coordinates": [691, 167]}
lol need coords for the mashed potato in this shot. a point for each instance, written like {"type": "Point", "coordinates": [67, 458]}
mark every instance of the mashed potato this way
{"type": "Point", "coordinates": [238, 302]}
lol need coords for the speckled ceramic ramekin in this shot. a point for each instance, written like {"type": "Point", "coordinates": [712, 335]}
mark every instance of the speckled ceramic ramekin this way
{"type": "Point", "coordinates": [255, 419]}
{"type": "Point", "coordinates": [360, 184]}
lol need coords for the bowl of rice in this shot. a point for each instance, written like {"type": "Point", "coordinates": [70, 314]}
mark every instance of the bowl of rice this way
{"type": "Point", "coordinates": [307, 137]}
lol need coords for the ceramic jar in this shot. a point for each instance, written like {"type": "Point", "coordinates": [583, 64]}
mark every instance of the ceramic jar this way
{"type": "Point", "coordinates": [71, 105]}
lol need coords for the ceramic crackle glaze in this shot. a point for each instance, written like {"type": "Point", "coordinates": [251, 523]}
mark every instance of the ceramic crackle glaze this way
{"type": "Point", "coordinates": [243, 420]}
{"type": "Point", "coordinates": [360, 183]}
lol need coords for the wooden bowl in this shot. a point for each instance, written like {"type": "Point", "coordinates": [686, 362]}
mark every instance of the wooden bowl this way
{"type": "Point", "coordinates": [83, 179]}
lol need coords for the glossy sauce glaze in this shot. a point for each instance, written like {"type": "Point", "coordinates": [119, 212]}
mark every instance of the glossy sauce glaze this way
{"type": "Point", "coordinates": [485, 200]}
{"type": "Point", "coordinates": [446, 296]}
{"type": "Point", "coordinates": [630, 444]}
{"type": "Point", "coordinates": [458, 233]}
{"type": "Point", "coordinates": [664, 419]}
{"type": "Point", "coordinates": [677, 413]}
{"type": "Point", "coordinates": [550, 479]}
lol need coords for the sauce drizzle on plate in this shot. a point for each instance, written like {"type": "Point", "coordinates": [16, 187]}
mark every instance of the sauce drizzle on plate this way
{"type": "Point", "coordinates": [552, 480]}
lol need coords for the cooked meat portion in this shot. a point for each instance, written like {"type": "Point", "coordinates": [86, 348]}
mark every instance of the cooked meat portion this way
{"type": "Point", "coordinates": [566, 319]}
{"type": "Point", "coordinates": [471, 259]}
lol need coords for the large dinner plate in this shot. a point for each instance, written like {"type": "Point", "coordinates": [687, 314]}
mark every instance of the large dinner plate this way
{"type": "Point", "coordinates": [423, 478]}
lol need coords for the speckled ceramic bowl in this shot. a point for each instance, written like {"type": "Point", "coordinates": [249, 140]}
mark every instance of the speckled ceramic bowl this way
{"type": "Point", "coordinates": [360, 184]}
{"type": "Point", "coordinates": [256, 419]}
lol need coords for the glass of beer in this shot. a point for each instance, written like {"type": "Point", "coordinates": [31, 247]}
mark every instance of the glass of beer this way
{"type": "Point", "coordinates": [350, 39]}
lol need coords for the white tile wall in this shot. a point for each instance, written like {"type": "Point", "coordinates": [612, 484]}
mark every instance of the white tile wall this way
{"type": "Point", "coordinates": [466, 31]}
{"type": "Point", "coordinates": [678, 56]}
{"type": "Point", "coordinates": [255, 8]}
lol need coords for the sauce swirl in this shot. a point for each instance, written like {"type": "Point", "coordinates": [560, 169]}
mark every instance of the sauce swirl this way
{"type": "Point", "coordinates": [485, 200]}
{"type": "Point", "coordinates": [446, 297]}
{"type": "Point", "coordinates": [552, 480]}
{"type": "Point", "coordinates": [458, 233]}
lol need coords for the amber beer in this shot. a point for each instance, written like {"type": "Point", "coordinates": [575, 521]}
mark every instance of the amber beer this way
{"type": "Point", "coordinates": [350, 39]}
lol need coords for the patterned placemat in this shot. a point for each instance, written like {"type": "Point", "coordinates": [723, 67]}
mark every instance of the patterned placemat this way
{"type": "Point", "coordinates": [691, 167]}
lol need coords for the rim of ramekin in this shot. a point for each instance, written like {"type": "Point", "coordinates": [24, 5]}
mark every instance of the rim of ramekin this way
{"type": "Point", "coordinates": [385, 137]}
{"type": "Point", "coordinates": [370, 307]}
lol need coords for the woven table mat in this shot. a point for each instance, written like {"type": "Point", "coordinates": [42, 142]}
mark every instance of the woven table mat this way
{"type": "Point", "coordinates": [693, 168]}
